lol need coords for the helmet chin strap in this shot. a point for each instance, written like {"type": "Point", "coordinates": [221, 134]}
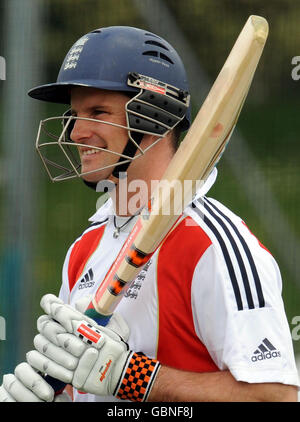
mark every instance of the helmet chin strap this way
{"type": "Point", "coordinates": [129, 150]}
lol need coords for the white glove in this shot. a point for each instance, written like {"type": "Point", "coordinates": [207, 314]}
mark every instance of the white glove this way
{"type": "Point", "coordinates": [94, 359]}
{"type": "Point", "coordinates": [25, 385]}
{"type": "Point", "coordinates": [63, 313]}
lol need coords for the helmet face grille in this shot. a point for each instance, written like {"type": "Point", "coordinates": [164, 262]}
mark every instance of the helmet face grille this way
{"type": "Point", "coordinates": [155, 110]}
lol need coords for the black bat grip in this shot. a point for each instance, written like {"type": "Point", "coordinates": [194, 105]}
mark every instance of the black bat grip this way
{"type": "Point", "coordinates": [57, 385]}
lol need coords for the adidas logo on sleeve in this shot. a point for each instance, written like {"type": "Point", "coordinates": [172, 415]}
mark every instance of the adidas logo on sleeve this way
{"type": "Point", "coordinates": [265, 350]}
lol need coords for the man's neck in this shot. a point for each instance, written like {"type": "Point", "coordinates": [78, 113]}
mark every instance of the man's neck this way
{"type": "Point", "coordinates": [131, 196]}
{"type": "Point", "coordinates": [135, 189]}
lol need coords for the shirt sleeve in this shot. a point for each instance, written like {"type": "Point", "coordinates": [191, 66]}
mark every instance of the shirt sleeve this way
{"type": "Point", "coordinates": [243, 325]}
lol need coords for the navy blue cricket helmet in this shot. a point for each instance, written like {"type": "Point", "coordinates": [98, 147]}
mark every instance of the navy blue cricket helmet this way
{"type": "Point", "coordinates": [103, 58]}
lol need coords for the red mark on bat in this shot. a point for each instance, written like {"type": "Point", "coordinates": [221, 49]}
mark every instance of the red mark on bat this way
{"type": "Point", "coordinates": [217, 130]}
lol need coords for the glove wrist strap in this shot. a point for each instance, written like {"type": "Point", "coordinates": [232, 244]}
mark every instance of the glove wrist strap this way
{"type": "Point", "coordinates": [137, 377]}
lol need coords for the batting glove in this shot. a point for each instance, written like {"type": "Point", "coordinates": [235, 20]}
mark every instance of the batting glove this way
{"type": "Point", "coordinates": [74, 349]}
{"type": "Point", "coordinates": [26, 385]}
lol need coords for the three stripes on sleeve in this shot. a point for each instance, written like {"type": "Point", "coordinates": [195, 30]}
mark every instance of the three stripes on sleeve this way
{"type": "Point", "coordinates": [236, 252]}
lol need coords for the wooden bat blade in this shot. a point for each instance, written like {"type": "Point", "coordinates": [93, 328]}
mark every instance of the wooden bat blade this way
{"type": "Point", "coordinates": [197, 155]}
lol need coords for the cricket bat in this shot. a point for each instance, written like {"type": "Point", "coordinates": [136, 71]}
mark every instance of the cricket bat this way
{"type": "Point", "coordinates": [194, 160]}
{"type": "Point", "coordinates": [197, 155]}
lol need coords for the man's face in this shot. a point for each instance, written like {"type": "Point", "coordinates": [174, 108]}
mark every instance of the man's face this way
{"type": "Point", "coordinates": [108, 106]}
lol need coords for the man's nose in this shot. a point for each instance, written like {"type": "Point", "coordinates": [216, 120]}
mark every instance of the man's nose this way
{"type": "Point", "coordinates": [80, 130]}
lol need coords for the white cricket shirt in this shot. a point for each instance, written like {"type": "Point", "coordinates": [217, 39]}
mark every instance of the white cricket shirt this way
{"type": "Point", "coordinates": [208, 300]}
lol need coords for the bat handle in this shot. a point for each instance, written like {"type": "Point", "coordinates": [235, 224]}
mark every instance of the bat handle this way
{"type": "Point", "coordinates": [100, 319]}
{"type": "Point", "coordinates": [58, 386]}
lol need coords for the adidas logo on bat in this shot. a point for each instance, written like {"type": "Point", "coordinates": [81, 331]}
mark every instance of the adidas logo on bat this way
{"type": "Point", "coordinates": [265, 350]}
{"type": "Point", "coordinates": [87, 280]}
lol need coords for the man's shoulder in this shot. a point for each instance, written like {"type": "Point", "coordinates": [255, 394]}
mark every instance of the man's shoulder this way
{"type": "Point", "coordinates": [208, 220]}
{"type": "Point", "coordinates": [243, 261]}
{"type": "Point", "coordinates": [218, 221]}
{"type": "Point", "coordinates": [200, 222]}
